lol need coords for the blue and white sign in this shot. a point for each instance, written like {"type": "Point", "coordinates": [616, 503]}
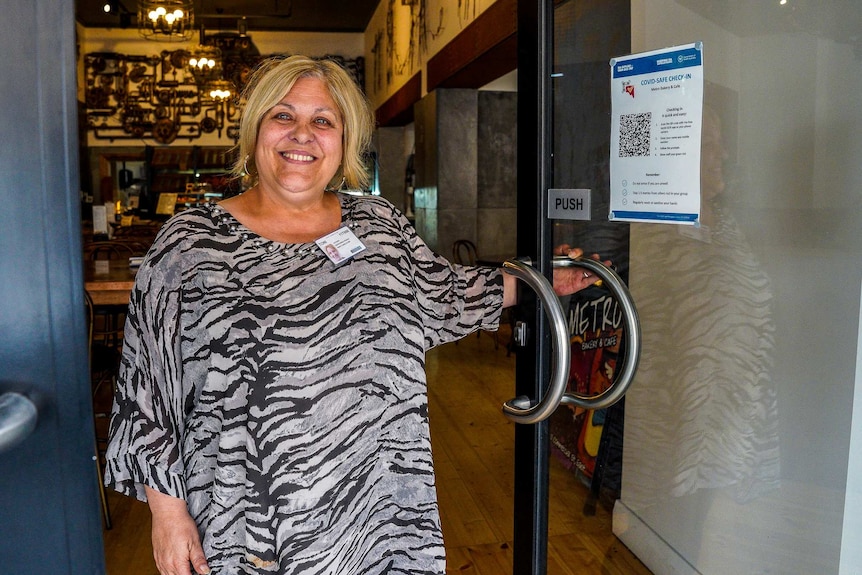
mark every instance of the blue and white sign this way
{"type": "Point", "coordinates": [656, 120]}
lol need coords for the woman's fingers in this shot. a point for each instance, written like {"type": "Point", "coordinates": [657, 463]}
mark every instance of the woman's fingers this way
{"type": "Point", "coordinates": [198, 559]}
{"type": "Point", "coordinates": [176, 542]}
{"type": "Point", "coordinates": [178, 554]}
{"type": "Point", "coordinates": [570, 280]}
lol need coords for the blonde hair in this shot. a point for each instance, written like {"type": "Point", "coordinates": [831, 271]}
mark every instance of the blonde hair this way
{"type": "Point", "coordinates": [274, 78]}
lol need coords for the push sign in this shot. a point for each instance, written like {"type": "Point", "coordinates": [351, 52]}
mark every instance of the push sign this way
{"type": "Point", "coordinates": [569, 204]}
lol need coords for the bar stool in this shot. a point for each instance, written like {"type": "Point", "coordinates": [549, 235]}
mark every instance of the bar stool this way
{"type": "Point", "coordinates": [464, 252]}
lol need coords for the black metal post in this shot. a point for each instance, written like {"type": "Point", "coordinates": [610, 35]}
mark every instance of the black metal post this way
{"type": "Point", "coordinates": [532, 442]}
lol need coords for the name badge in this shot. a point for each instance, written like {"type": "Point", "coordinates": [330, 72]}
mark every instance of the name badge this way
{"type": "Point", "coordinates": [340, 245]}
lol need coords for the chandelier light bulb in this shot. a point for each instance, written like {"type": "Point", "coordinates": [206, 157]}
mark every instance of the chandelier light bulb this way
{"type": "Point", "coordinates": [201, 63]}
{"type": "Point", "coordinates": [166, 20]}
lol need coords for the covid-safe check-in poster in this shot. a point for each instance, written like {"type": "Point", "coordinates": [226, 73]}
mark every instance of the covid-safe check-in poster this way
{"type": "Point", "coordinates": [656, 117]}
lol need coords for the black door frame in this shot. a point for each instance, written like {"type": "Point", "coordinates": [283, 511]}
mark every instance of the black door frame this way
{"type": "Point", "coordinates": [532, 442]}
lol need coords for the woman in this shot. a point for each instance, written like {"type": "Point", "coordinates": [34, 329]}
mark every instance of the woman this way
{"type": "Point", "coordinates": [271, 406]}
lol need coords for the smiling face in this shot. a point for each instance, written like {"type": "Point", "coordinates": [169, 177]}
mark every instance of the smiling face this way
{"type": "Point", "coordinates": [299, 144]}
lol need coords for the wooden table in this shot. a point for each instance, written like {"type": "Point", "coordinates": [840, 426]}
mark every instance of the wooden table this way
{"type": "Point", "coordinates": [109, 282]}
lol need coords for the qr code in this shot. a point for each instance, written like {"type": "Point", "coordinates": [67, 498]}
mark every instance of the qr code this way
{"type": "Point", "coordinates": [635, 134]}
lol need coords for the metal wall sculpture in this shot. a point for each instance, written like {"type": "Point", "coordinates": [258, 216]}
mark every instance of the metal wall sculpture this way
{"type": "Point", "coordinates": [133, 97]}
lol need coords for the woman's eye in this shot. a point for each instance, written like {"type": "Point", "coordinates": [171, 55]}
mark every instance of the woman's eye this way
{"type": "Point", "coordinates": [282, 116]}
{"type": "Point", "coordinates": [323, 122]}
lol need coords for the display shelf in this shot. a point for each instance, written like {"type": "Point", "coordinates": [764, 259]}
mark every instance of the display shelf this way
{"type": "Point", "coordinates": [194, 174]}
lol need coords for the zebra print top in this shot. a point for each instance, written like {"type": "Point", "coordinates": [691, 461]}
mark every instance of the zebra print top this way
{"type": "Point", "coordinates": [284, 397]}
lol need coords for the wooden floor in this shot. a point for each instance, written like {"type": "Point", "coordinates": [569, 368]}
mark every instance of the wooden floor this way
{"type": "Point", "coordinates": [473, 454]}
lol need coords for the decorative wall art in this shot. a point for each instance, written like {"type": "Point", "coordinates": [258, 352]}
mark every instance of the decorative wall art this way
{"type": "Point", "coordinates": [390, 61]}
{"type": "Point", "coordinates": [176, 94]}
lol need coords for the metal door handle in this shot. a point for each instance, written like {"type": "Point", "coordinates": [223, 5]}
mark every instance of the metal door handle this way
{"type": "Point", "coordinates": [18, 417]}
{"type": "Point", "coordinates": [520, 409]}
{"type": "Point", "coordinates": [618, 288]}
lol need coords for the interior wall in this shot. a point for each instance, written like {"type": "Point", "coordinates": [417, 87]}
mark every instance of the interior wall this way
{"type": "Point", "coordinates": [394, 146]}
{"type": "Point", "coordinates": [497, 174]}
{"type": "Point", "coordinates": [465, 176]}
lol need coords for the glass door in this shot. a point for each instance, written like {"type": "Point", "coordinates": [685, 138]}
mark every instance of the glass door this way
{"type": "Point", "coordinates": [741, 450]}
{"type": "Point", "coordinates": [563, 142]}
{"type": "Point", "coordinates": [742, 428]}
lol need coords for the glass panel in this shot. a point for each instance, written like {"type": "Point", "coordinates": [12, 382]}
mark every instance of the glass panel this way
{"type": "Point", "coordinates": [737, 428]}
{"type": "Point", "coordinates": [588, 444]}
{"type": "Point", "coordinates": [586, 36]}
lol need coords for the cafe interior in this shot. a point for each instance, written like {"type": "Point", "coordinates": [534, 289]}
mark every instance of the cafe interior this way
{"type": "Point", "coordinates": [159, 100]}
{"type": "Point", "coordinates": [159, 86]}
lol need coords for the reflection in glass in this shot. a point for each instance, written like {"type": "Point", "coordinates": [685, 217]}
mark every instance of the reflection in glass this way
{"type": "Point", "coordinates": [708, 343]}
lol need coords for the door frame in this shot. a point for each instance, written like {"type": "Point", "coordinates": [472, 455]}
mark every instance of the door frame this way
{"type": "Point", "coordinates": [532, 370]}
{"type": "Point", "coordinates": [48, 483]}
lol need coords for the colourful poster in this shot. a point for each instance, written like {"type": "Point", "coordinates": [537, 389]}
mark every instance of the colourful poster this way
{"type": "Point", "coordinates": [596, 335]}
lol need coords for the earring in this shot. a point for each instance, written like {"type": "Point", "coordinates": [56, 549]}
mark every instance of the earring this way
{"type": "Point", "coordinates": [339, 187]}
{"type": "Point", "coordinates": [245, 165]}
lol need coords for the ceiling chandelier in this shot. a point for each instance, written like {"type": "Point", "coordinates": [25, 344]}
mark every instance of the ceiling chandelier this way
{"type": "Point", "coordinates": [219, 90]}
{"type": "Point", "coordinates": [205, 63]}
{"type": "Point", "coordinates": [166, 20]}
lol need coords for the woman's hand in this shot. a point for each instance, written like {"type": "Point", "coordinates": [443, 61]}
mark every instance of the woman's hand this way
{"type": "Point", "coordinates": [573, 279]}
{"type": "Point", "coordinates": [566, 280]}
{"type": "Point", "coordinates": [176, 542]}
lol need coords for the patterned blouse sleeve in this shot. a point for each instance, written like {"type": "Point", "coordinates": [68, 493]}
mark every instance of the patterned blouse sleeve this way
{"type": "Point", "coordinates": [454, 300]}
{"type": "Point", "coordinates": [147, 416]}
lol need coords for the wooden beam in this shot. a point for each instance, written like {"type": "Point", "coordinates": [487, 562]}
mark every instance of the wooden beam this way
{"type": "Point", "coordinates": [398, 109]}
{"type": "Point", "coordinates": [483, 51]}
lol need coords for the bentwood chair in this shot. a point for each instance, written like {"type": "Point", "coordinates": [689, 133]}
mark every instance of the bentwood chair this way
{"type": "Point", "coordinates": [108, 250]}
{"type": "Point", "coordinates": [110, 317]}
{"type": "Point", "coordinates": [464, 252]}
{"type": "Point", "coordinates": [134, 247]}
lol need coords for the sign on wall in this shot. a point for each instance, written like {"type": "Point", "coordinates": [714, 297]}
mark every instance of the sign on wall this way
{"type": "Point", "coordinates": [656, 119]}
